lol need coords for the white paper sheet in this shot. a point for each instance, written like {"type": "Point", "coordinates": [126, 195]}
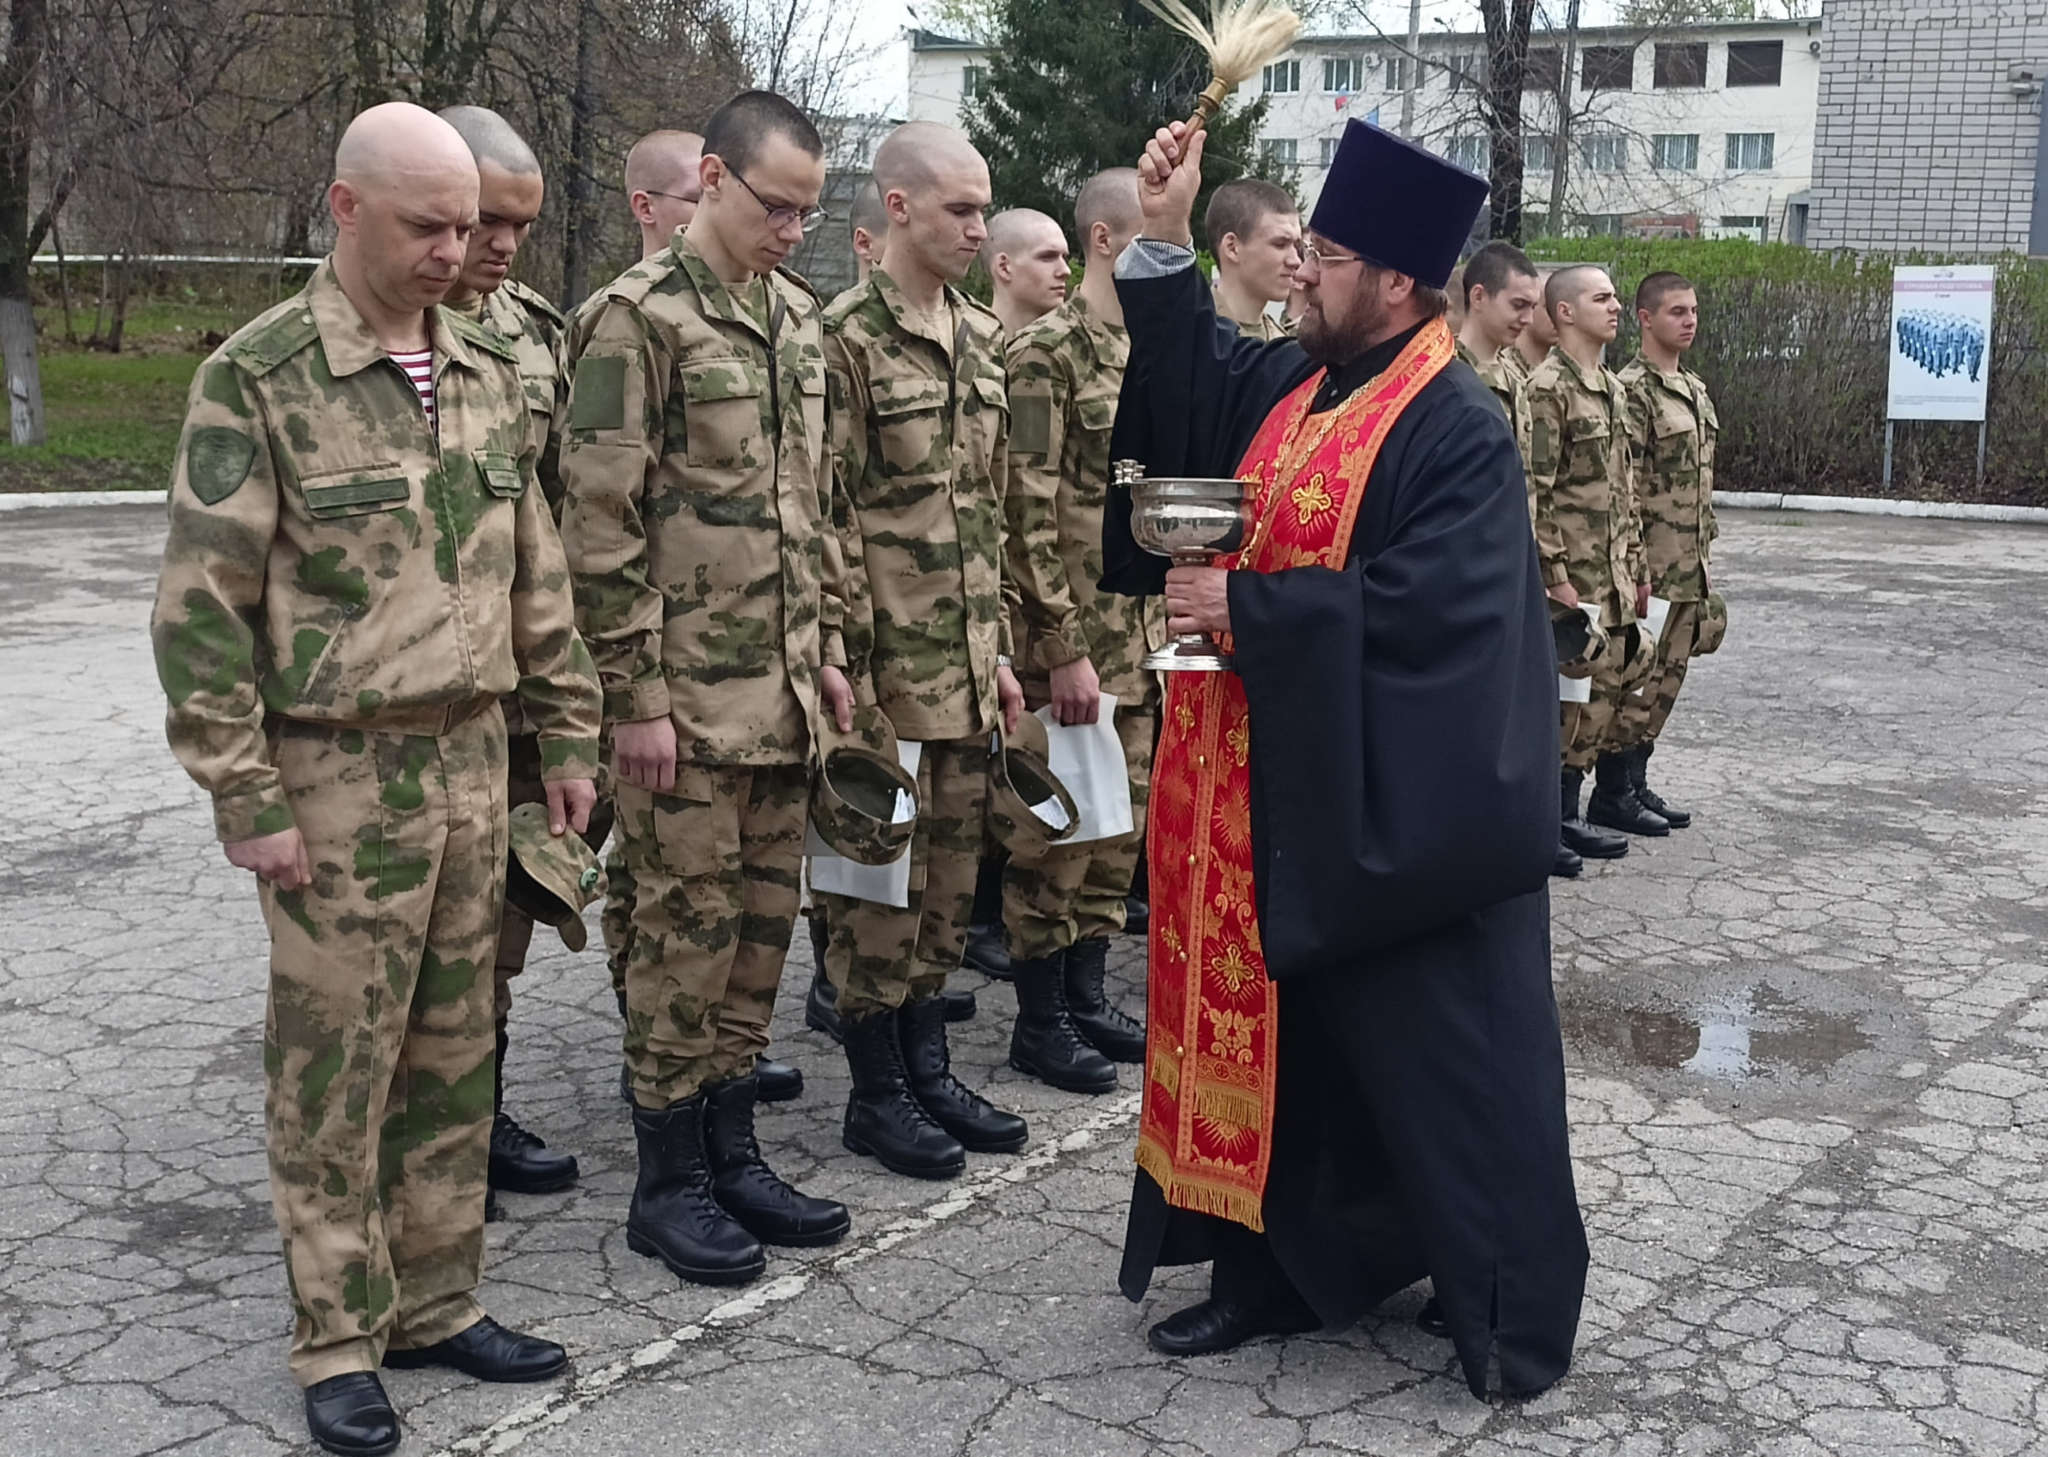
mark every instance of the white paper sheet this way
{"type": "Point", "coordinates": [887, 885]}
{"type": "Point", "coordinates": [1089, 759]}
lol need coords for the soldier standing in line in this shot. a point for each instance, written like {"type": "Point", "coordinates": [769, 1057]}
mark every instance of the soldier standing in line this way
{"type": "Point", "coordinates": [359, 567]}
{"type": "Point", "coordinates": [1672, 426]}
{"type": "Point", "coordinates": [1254, 233]}
{"type": "Point", "coordinates": [1502, 294]}
{"type": "Point", "coordinates": [1026, 255]}
{"type": "Point", "coordinates": [662, 185]}
{"type": "Point", "coordinates": [921, 424]}
{"type": "Point", "coordinates": [868, 226]}
{"type": "Point", "coordinates": [1533, 344]}
{"type": "Point", "coordinates": [1587, 533]}
{"type": "Point", "coordinates": [1076, 644]}
{"type": "Point", "coordinates": [697, 525]}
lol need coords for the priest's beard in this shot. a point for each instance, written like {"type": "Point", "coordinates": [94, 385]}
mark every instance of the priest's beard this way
{"type": "Point", "coordinates": [1333, 333]}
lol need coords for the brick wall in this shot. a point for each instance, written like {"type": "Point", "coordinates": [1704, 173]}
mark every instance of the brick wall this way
{"type": "Point", "coordinates": [1921, 142]}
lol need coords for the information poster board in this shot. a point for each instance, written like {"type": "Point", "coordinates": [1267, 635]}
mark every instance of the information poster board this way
{"type": "Point", "coordinates": [1941, 342]}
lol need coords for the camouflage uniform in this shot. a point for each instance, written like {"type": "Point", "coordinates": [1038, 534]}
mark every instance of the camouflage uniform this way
{"type": "Point", "coordinates": [698, 484]}
{"type": "Point", "coordinates": [921, 428]}
{"type": "Point", "coordinates": [1587, 530]}
{"type": "Point", "coordinates": [346, 594]}
{"type": "Point", "coordinates": [1672, 426]}
{"type": "Point", "coordinates": [1509, 386]}
{"type": "Point", "coordinates": [1065, 371]}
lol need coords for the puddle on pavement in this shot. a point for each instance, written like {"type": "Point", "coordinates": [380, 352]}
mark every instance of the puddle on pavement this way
{"type": "Point", "coordinates": [1752, 1033]}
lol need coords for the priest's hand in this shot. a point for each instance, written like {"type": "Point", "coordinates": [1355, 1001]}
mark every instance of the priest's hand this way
{"type": "Point", "coordinates": [1197, 600]}
{"type": "Point", "coordinates": [1169, 176]}
{"type": "Point", "coordinates": [1076, 692]}
{"type": "Point", "coordinates": [1010, 698]}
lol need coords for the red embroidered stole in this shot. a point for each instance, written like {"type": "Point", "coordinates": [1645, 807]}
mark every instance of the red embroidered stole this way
{"type": "Point", "coordinates": [1213, 1024]}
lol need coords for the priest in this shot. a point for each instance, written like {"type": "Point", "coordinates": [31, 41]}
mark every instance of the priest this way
{"type": "Point", "coordinates": [1354, 1077]}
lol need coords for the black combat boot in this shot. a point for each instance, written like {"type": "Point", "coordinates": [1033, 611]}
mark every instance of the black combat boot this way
{"type": "Point", "coordinates": [674, 1216]}
{"type": "Point", "coordinates": [1567, 865]}
{"type": "Point", "coordinates": [988, 950]}
{"type": "Point", "coordinates": [883, 1117]}
{"type": "Point", "coordinates": [962, 1112]}
{"type": "Point", "coordinates": [1106, 1029]}
{"type": "Point", "coordinates": [1045, 1042]}
{"type": "Point", "coordinates": [821, 1003]}
{"type": "Point", "coordinates": [779, 1082]}
{"type": "Point", "coordinates": [520, 1163]}
{"type": "Point", "coordinates": [1574, 833]}
{"type": "Point", "coordinates": [746, 1188]}
{"type": "Point", "coordinates": [1650, 799]}
{"type": "Point", "coordinates": [1613, 802]}
{"type": "Point", "coordinates": [958, 1002]}
{"type": "Point", "coordinates": [1137, 916]}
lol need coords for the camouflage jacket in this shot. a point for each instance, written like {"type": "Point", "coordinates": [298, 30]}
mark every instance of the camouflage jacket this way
{"type": "Point", "coordinates": [1065, 371]}
{"type": "Point", "coordinates": [699, 485]}
{"type": "Point", "coordinates": [334, 558]}
{"type": "Point", "coordinates": [921, 427]}
{"type": "Point", "coordinates": [1584, 507]}
{"type": "Point", "coordinates": [1672, 426]}
{"type": "Point", "coordinates": [1500, 376]}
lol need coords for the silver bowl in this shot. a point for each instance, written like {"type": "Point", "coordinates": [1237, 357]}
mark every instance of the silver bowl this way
{"type": "Point", "coordinates": [1191, 520]}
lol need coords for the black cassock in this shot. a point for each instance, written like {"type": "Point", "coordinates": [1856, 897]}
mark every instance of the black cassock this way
{"type": "Point", "coordinates": [1404, 789]}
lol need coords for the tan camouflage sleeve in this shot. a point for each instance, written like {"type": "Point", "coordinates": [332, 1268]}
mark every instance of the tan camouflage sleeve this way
{"type": "Point", "coordinates": [1007, 590]}
{"type": "Point", "coordinates": [1546, 455]}
{"type": "Point", "coordinates": [611, 459]}
{"type": "Point", "coordinates": [1638, 564]}
{"type": "Point", "coordinates": [845, 564]}
{"type": "Point", "coordinates": [223, 517]}
{"type": "Point", "coordinates": [548, 463]}
{"type": "Point", "coordinates": [1040, 393]}
{"type": "Point", "coordinates": [1640, 407]}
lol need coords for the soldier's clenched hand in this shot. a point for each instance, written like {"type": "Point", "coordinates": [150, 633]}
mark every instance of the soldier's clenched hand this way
{"type": "Point", "coordinates": [1076, 692]}
{"type": "Point", "coordinates": [570, 802]}
{"type": "Point", "coordinates": [1564, 593]}
{"type": "Point", "coordinates": [280, 858]}
{"type": "Point", "coordinates": [645, 753]}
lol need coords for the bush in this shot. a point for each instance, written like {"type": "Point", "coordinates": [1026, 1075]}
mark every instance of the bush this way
{"type": "Point", "coordinates": [1794, 345]}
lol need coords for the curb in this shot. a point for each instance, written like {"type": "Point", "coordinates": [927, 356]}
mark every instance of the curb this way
{"type": "Point", "coordinates": [1872, 506]}
{"type": "Point", "coordinates": [34, 500]}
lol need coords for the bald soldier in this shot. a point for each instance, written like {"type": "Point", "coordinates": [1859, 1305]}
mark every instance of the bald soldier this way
{"type": "Point", "coordinates": [1026, 256]}
{"type": "Point", "coordinates": [921, 429]}
{"type": "Point", "coordinates": [662, 185]}
{"type": "Point", "coordinates": [359, 566]}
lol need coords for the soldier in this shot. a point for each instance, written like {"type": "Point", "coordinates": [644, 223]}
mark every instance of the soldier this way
{"type": "Point", "coordinates": [1672, 426]}
{"type": "Point", "coordinates": [1502, 294]}
{"type": "Point", "coordinates": [1077, 643]}
{"type": "Point", "coordinates": [1027, 262]}
{"type": "Point", "coordinates": [869, 226]}
{"type": "Point", "coordinates": [1254, 233]}
{"type": "Point", "coordinates": [921, 425]}
{"type": "Point", "coordinates": [358, 568]}
{"type": "Point", "coordinates": [697, 526]}
{"type": "Point", "coordinates": [1587, 532]}
{"type": "Point", "coordinates": [1533, 344]}
{"type": "Point", "coordinates": [662, 185]}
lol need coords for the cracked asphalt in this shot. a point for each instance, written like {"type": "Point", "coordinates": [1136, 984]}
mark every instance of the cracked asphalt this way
{"type": "Point", "coordinates": [1809, 1107]}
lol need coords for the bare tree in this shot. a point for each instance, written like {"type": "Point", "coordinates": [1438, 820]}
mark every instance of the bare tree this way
{"type": "Point", "coordinates": [27, 31]}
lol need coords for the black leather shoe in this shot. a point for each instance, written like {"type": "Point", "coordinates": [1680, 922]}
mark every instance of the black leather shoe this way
{"type": "Point", "coordinates": [988, 951]}
{"type": "Point", "coordinates": [1220, 1325]}
{"type": "Point", "coordinates": [1045, 1041]}
{"type": "Point", "coordinates": [883, 1117]}
{"type": "Point", "coordinates": [778, 1081]}
{"type": "Point", "coordinates": [1107, 1030]}
{"type": "Point", "coordinates": [488, 1352]}
{"type": "Point", "coordinates": [747, 1189]}
{"type": "Point", "coordinates": [674, 1216]}
{"type": "Point", "coordinates": [1567, 865]}
{"type": "Point", "coordinates": [958, 1002]}
{"type": "Point", "coordinates": [1655, 803]}
{"type": "Point", "coordinates": [1137, 916]}
{"type": "Point", "coordinates": [1430, 1320]}
{"type": "Point", "coordinates": [350, 1414]}
{"type": "Point", "coordinates": [522, 1164]}
{"type": "Point", "coordinates": [979, 1124]}
{"type": "Point", "coordinates": [1613, 802]}
{"type": "Point", "coordinates": [1574, 833]}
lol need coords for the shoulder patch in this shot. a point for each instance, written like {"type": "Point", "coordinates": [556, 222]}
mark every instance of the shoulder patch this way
{"type": "Point", "coordinates": [1030, 423]}
{"type": "Point", "coordinates": [217, 461]}
{"type": "Point", "coordinates": [597, 401]}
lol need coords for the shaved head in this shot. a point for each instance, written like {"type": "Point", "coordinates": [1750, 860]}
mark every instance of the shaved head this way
{"type": "Point", "coordinates": [912, 157]}
{"type": "Point", "coordinates": [491, 140]}
{"type": "Point", "coordinates": [1110, 197]}
{"type": "Point", "coordinates": [404, 200]}
{"type": "Point", "coordinates": [390, 144]}
{"type": "Point", "coordinates": [1565, 285]}
{"type": "Point", "coordinates": [868, 213]}
{"type": "Point", "coordinates": [664, 162]}
{"type": "Point", "coordinates": [1020, 229]}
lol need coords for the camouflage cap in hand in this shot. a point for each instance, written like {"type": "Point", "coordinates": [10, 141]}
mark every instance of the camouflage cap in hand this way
{"type": "Point", "coordinates": [1580, 640]}
{"type": "Point", "coordinates": [1713, 625]}
{"type": "Point", "coordinates": [551, 877]}
{"type": "Point", "coordinates": [860, 789]}
{"type": "Point", "coordinates": [1028, 808]}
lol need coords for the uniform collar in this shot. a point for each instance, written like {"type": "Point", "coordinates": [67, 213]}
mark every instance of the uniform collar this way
{"type": "Point", "coordinates": [1591, 380]}
{"type": "Point", "coordinates": [891, 294]}
{"type": "Point", "coordinates": [346, 340]}
{"type": "Point", "coordinates": [1680, 375]}
{"type": "Point", "coordinates": [714, 294]}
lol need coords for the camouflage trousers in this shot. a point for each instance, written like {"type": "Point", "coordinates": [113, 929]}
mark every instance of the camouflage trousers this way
{"type": "Point", "coordinates": [1586, 730]}
{"type": "Point", "coordinates": [1076, 892]}
{"type": "Point", "coordinates": [715, 866]}
{"type": "Point", "coordinates": [515, 928]}
{"type": "Point", "coordinates": [878, 957]}
{"type": "Point", "coordinates": [377, 1046]}
{"type": "Point", "coordinates": [1644, 714]}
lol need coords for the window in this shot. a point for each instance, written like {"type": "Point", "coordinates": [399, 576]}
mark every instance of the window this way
{"type": "Point", "coordinates": [1471, 153]}
{"type": "Point", "coordinates": [1399, 70]}
{"type": "Point", "coordinates": [1329, 150]}
{"type": "Point", "coordinates": [1604, 152]}
{"type": "Point", "coordinates": [1344, 73]}
{"type": "Point", "coordinates": [1280, 149]}
{"type": "Point", "coordinates": [1536, 158]}
{"type": "Point", "coordinates": [1545, 69]}
{"type": "Point", "coordinates": [1752, 151]}
{"type": "Point", "coordinates": [1601, 224]}
{"type": "Point", "coordinates": [1680, 65]}
{"type": "Point", "coordinates": [1675, 152]}
{"type": "Point", "coordinates": [1608, 68]}
{"type": "Point", "coordinates": [972, 80]}
{"type": "Point", "coordinates": [1755, 62]}
{"type": "Point", "coordinates": [1283, 76]}
{"type": "Point", "coordinates": [1467, 72]}
{"type": "Point", "coordinates": [1748, 224]}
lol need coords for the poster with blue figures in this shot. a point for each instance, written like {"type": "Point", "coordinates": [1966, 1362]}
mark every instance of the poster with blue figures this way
{"type": "Point", "coordinates": [1941, 342]}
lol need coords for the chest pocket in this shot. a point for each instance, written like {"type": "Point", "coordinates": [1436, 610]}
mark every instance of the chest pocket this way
{"type": "Point", "coordinates": [722, 415]}
{"type": "Point", "coordinates": [360, 491]}
{"type": "Point", "coordinates": [910, 424]}
{"type": "Point", "coordinates": [1096, 412]}
{"type": "Point", "coordinates": [500, 474]}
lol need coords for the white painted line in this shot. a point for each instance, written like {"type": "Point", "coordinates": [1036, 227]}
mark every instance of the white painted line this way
{"type": "Point", "coordinates": [510, 1431]}
{"type": "Point", "coordinates": [35, 500]}
{"type": "Point", "coordinates": [1877, 506]}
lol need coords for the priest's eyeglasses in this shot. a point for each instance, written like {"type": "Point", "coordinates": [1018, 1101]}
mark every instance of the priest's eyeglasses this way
{"type": "Point", "coordinates": [781, 215]}
{"type": "Point", "coordinates": [1315, 257]}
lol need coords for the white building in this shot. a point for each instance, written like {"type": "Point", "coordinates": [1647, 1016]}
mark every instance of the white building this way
{"type": "Point", "coordinates": [1699, 129]}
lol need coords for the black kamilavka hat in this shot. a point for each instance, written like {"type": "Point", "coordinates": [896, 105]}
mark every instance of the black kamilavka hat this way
{"type": "Point", "coordinates": [1400, 206]}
